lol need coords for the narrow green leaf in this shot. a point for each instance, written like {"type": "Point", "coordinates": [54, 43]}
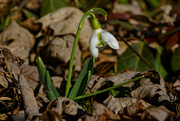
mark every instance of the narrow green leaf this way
{"type": "Point", "coordinates": [49, 6]}
{"type": "Point", "coordinates": [46, 81]}
{"type": "Point", "coordinates": [29, 14]}
{"type": "Point", "coordinates": [129, 60]}
{"type": "Point", "coordinates": [52, 93]}
{"type": "Point", "coordinates": [159, 67]}
{"type": "Point", "coordinates": [175, 61]}
{"type": "Point", "coordinates": [42, 71]}
{"type": "Point", "coordinates": [5, 23]}
{"type": "Point", "coordinates": [83, 79]}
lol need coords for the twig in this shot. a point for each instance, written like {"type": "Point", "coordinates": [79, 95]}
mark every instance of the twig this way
{"type": "Point", "coordinates": [136, 53]}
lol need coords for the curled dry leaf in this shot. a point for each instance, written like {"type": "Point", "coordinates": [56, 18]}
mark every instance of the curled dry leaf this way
{"type": "Point", "coordinates": [118, 105]}
{"type": "Point", "coordinates": [65, 105]}
{"type": "Point", "coordinates": [10, 93]}
{"type": "Point", "coordinates": [153, 93]}
{"type": "Point", "coordinates": [100, 109]}
{"type": "Point", "coordinates": [152, 90]}
{"type": "Point", "coordinates": [155, 112]}
{"type": "Point", "coordinates": [19, 40]}
{"type": "Point", "coordinates": [11, 68]}
{"type": "Point", "coordinates": [65, 21]}
{"type": "Point", "coordinates": [97, 82]}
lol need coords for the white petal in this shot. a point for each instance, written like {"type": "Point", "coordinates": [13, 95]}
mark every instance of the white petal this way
{"type": "Point", "coordinates": [93, 42]}
{"type": "Point", "coordinates": [110, 39]}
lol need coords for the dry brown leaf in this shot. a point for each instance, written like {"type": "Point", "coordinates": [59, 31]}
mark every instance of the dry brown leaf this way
{"type": "Point", "coordinates": [65, 105]}
{"type": "Point", "coordinates": [65, 21]}
{"type": "Point", "coordinates": [30, 104]}
{"type": "Point", "coordinates": [117, 105]}
{"type": "Point", "coordinates": [19, 40]}
{"type": "Point", "coordinates": [97, 82]}
{"type": "Point", "coordinates": [59, 50]}
{"type": "Point", "coordinates": [154, 93]}
{"type": "Point", "coordinates": [133, 8]}
{"type": "Point", "coordinates": [30, 25]}
{"type": "Point", "coordinates": [33, 5]}
{"type": "Point", "coordinates": [50, 115]}
{"type": "Point", "coordinates": [31, 74]}
{"type": "Point", "coordinates": [3, 82]}
{"type": "Point", "coordinates": [156, 112]}
{"type": "Point", "coordinates": [88, 118]}
{"type": "Point", "coordinates": [99, 109]}
{"type": "Point", "coordinates": [176, 85]}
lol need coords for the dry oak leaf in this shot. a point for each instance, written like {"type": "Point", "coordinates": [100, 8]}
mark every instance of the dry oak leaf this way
{"type": "Point", "coordinates": [65, 21]}
{"type": "Point", "coordinates": [19, 40]}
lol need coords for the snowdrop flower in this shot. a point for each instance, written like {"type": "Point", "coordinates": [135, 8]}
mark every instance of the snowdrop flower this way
{"type": "Point", "coordinates": [100, 39]}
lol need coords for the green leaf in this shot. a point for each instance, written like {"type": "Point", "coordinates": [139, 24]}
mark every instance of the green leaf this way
{"type": "Point", "coordinates": [175, 61]}
{"type": "Point", "coordinates": [52, 93]}
{"type": "Point", "coordinates": [5, 23]}
{"type": "Point", "coordinates": [83, 79]}
{"type": "Point", "coordinates": [153, 3]}
{"type": "Point", "coordinates": [123, 1]}
{"type": "Point", "coordinates": [49, 6]}
{"type": "Point", "coordinates": [46, 81]}
{"type": "Point", "coordinates": [29, 14]}
{"type": "Point", "coordinates": [159, 67]}
{"type": "Point", "coordinates": [42, 71]}
{"type": "Point", "coordinates": [129, 60]}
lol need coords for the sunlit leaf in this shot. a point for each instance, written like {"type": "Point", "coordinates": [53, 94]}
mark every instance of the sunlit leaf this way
{"type": "Point", "coordinates": [49, 6]}
{"type": "Point", "coordinates": [129, 60]}
{"type": "Point", "coordinates": [83, 79]}
{"type": "Point", "coordinates": [175, 63]}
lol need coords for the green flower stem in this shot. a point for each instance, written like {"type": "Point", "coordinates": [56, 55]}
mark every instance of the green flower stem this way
{"type": "Point", "coordinates": [89, 12]}
{"type": "Point", "coordinates": [108, 89]}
